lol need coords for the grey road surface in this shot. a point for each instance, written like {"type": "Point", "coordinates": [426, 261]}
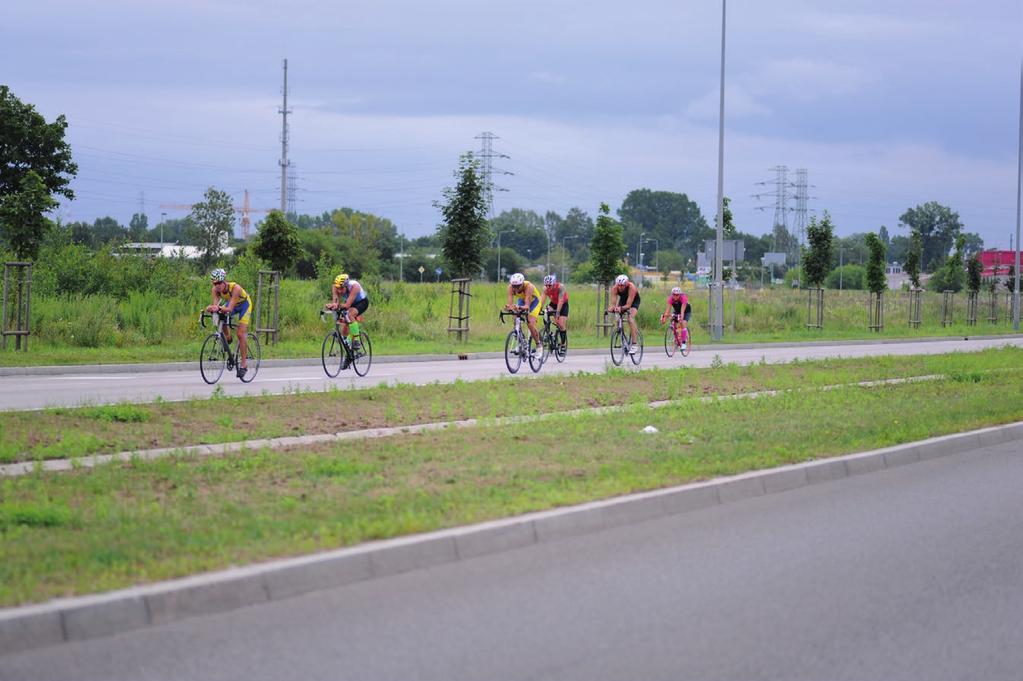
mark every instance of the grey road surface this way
{"type": "Point", "coordinates": [911, 573]}
{"type": "Point", "coordinates": [37, 391]}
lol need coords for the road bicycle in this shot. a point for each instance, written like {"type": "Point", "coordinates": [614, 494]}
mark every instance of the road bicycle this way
{"type": "Point", "coordinates": [338, 353]}
{"type": "Point", "coordinates": [622, 343]}
{"type": "Point", "coordinates": [216, 354]}
{"type": "Point", "coordinates": [520, 344]}
{"type": "Point", "coordinates": [550, 338]}
{"type": "Point", "coordinates": [677, 338]}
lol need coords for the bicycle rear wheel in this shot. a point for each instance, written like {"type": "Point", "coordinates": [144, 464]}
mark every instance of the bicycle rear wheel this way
{"type": "Point", "coordinates": [617, 347]}
{"type": "Point", "coordinates": [669, 341]}
{"type": "Point", "coordinates": [253, 355]}
{"type": "Point", "coordinates": [212, 359]}
{"type": "Point", "coordinates": [561, 351]}
{"type": "Point", "coordinates": [637, 356]}
{"type": "Point", "coordinates": [512, 353]}
{"type": "Point", "coordinates": [536, 355]}
{"type": "Point", "coordinates": [363, 357]}
{"type": "Point", "coordinates": [331, 354]}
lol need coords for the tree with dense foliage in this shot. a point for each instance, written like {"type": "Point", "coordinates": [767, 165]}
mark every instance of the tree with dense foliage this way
{"type": "Point", "coordinates": [671, 218]}
{"type": "Point", "coordinates": [524, 231]}
{"type": "Point", "coordinates": [938, 227]}
{"type": "Point", "coordinates": [607, 249]}
{"type": "Point", "coordinates": [23, 221]}
{"type": "Point", "coordinates": [816, 261]}
{"type": "Point", "coordinates": [876, 280]}
{"type": "Point", "coordinates": [952, 276]}
{"type": "Point", "coordinates": [138, 226]}
{"type": "Point", "coordinates": [29, 144]}
{"type": "Point", "coordinates": [212, 224]}
{"type": "Point", "coordinates": [464, 233]}
{"type": "Point", "coordinates": [277, 242]}
{"type": "Point", "coordinates": [912, 266]}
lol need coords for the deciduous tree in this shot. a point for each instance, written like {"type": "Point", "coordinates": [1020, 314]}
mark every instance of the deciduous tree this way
{"type": "Point", "coordinates": [464, 233]}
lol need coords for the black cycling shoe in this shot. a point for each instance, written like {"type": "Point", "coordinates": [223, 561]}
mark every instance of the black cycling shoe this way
{"type": "Point", "coordinates": [344, 363]}
{"type": "Point", "coordinates": [230, 363]}
{"type": "Point", "coordinates": [241, 372]}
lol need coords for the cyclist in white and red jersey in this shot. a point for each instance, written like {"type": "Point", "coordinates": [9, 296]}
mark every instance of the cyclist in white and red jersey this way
{"type": "Point", "coordinates": [556, 296]}
{"type": "Point", "coordinates": [678, 304]}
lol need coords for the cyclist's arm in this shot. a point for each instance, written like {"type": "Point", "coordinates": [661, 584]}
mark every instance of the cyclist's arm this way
{"type": "Point", "coordinates": [543, 297]}
{"type": "Point", "coordinates": [215, 299]}
{"type": "Point", "coordinates": [334, 295]}
{"type": "Point", "coordinates": [508, 305]}
{"type": "Point", "coordinates": [528, 295]}
{"type": "Point", "coordinates": [562, 294]}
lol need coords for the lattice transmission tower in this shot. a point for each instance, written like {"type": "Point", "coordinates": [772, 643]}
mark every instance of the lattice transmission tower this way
{"type": "Point", "coordinates": [487, 156]}
{"type": "Point", "coordinates": [781, 199]}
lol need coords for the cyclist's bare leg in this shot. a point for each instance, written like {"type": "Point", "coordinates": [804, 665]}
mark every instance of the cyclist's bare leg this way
{"type": "Point", "coordinates": [531, 323]}
{"type": "Point", "coordinates": [632, 324]}
{"type": "Point", "coordinates": [685, 329]}
{"type": "Point", "coordinates": [243, 344]}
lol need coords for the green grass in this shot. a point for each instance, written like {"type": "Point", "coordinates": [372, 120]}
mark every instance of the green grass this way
{"type": "Point", "coordinates": [128, 523]}
{"type": "Point", "coordinates": [412, 319]}
{"type": "Point", "coordinates": [64, 432]}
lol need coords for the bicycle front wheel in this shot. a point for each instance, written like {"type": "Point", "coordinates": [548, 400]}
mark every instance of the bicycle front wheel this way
{"type": "Point", "coordinates": [332, 354]}
{"type": "Point", "coordinates": [617, 347]}
{"type": "Point", "coordinates": [669, 341]}
{"type": "Point", "coordinates": [253, 355]}
{"type": "Point", "coordinates": [363, 357]}
{"type": "Point", "coordinates": [536, 355]}
{"type": "Point", "coordinates": [212, 359]}
{"type": "Point", "coordinates": [512, 353]}
{"type": "Point", "coordinates": [637, 356]}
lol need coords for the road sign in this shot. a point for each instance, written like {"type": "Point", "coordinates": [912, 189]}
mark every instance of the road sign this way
{"type": "Point", "coordinates": [438, 271]}
{"type": "Point", "coordinates": [732, 250]}
{"type": "Point", "coordinates": [421, 269]}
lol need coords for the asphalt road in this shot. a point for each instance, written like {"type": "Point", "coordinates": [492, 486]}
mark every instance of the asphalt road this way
{"type": "Point", "coordinates": [37, 391]}
{"type": "Point", "coordinates": [910, 573]}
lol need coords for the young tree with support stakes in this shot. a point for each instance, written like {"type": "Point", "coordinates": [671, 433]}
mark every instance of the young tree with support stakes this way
{"type": "Point", "coordinates": [912, 266]}
{"type": "Point", "coordinates": [816, 263]}
{"type": "Point", "coordinates": [277, 242]}
{"type": "Point", "coordinates": [877, 283]}
{"type": "Point", "coordinates": [607, 249]}
{"type": "Point", "coordinates": [465, 234]}
{"type": "Point", "coordinates": [23, 220]}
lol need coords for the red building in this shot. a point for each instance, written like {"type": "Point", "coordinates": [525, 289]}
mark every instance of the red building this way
{"type": "Point", "coordinates": [997, 263]}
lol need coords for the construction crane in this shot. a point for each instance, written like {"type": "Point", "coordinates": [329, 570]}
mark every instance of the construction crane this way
{"type": "Point", "coordinates": [245, 209]}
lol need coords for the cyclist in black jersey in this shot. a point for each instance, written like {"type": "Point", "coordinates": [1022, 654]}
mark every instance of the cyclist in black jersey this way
{"type": "Point", "coordinates": [628, 302]}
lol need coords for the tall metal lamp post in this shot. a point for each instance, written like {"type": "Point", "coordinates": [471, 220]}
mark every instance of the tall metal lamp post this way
{"type": "Point", "coordinates": [717, 313]}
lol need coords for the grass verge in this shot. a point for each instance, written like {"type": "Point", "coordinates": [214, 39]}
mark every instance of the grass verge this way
{"type": "Point", "coordinates": [129, 523]}
{"type": "Point", "coordinates": [69, 432]}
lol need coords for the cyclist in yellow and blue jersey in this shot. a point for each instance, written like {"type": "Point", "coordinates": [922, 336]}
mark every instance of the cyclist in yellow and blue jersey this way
{"type": "Point", "coordinates": [523, 295]}
{"type": "Point", "coordinates": [238, 304]}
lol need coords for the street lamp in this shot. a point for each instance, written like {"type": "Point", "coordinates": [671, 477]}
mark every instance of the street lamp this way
{"type": "Point", "coordinates": [498, 278]}
{"type": "Point", "coordinates": [639, 251]}
{"type": "Point", "coordinates": [401, 259]}
{"type": "Point", "coordinates": [657, 255]}
{"type": "Point", "coordinates": [163, 219]}
{"type": "Point", "coordinates": [717, 312]}
{"type": "Point", "coordinates": [564, 257]}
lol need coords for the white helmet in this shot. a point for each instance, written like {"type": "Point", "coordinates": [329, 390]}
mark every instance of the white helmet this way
{"type": "Point", "coordinates": [676, 291]}
{"type": "Point", "coordinates": [621, 280]}
{"type": "Point", "coordinates": [517, 279]}
{"type": "Point", "coordinates": [550, 280]}
{"type": "Point", "coordinates": [218, 275]}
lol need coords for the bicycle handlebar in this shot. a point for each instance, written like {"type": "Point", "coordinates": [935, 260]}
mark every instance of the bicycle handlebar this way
{"type": "Point", "coordinates": [513, 313]}
{"type": "Point", "coordinates": [203, 316]}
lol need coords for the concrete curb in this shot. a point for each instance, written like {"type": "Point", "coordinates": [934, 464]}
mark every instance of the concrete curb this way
{"type": "Point", "coordinates": [80, 618]}
{"type": "Point", "coordinates": [77, 369]}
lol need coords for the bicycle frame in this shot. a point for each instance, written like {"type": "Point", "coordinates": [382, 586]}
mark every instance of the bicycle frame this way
{"type": "Point", "coordinates": [223, 322]}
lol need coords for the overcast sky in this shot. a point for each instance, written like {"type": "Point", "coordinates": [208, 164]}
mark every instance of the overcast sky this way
{"type": "Point", "coordinates": [886, 104]}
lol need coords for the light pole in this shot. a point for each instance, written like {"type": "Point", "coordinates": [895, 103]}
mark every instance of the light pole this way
{"type": "Point", "coordinates": [840, 272]}
{"type": "Point", "coordinates": [639, 251]}
{"type": "Point", "coordinates": [717, 313]}
{"type": "Point", "coordinates": [163, 219]}
{"type": "Point", "coordinates": [657, 255]}
{"type": "Point", "coordinates": [1019, 188]}
{"type": "Point", "coordinates": [498, 277]}
{"type": "Point", "coordinates": [564, 257]}
{"type": "Point", "coordinates": [401, 260]}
